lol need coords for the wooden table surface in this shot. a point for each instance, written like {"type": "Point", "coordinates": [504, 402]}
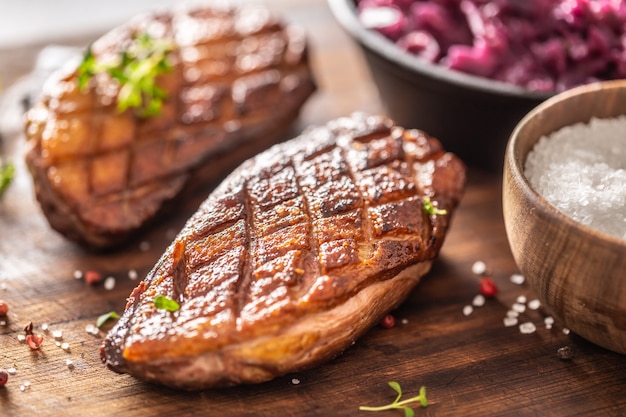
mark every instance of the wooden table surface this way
{"type": "Point", "coordinates": [471, 365]}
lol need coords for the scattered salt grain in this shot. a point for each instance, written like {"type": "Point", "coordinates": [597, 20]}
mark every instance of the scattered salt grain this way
{"type": "Point", "coordinates": [21, 337]}
{"type": "Point", "coordinates": [78, 274]}
{"type": "Point", "coordinates": [521, 299]}
{"type": "Point", "coordinates": [565, 330]}
{"type": "Point", "coordinates": [478, 300]}
{"type": "Point", "coordinates": [25, 386]}
{"type": "Point", "coordinates": [109, 283]}
{"type": "Point", "coordinates": [295, 381]}
{"type": "Point", "coordinates": [65, 346]}
{"type": "Point", "coordinates": [512, 313]}
{"type": "Point", "coordinates": [3, 286]}
{"type": "Point", "coordinates": [3, 323]}
{"type": "Point", "coordinates": [527, 327]}
{"type": "Point", "coordinates": [132, 274]}
{"type": "Point", "coordinates": [45, 327]}
{"type": "Point", "coordinates": [57, 343]}
{"type": "Point", "coordinates": [91, 329]}
{"type": "Point", "coordinates": [517, 279]}
{"type": "Point", "coordinates": [510, 321]}
{"type": "Point", "coordinates": [404, 321]}
{"type": "Point", "coordinates": [520, 308]}
{"type": "Point", "coordinates": [12, 370]}
{"type": "Point", "coordinates": [57, 334]}
{"type": "Point", "coordinates": [467, 310]}
{"type": "Point", "coordinates": [534, 304]}
{"type": "Point", "coordinates": [581, 170]}
{"type": "Point", "coordinates": [479, 268]}
{"type": "Point", "coordinates": [548, 321]}
{"type": "Point", "coordinates": [69, 363]}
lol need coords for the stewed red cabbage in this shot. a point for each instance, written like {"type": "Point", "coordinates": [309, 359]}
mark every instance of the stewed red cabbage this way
{"type": "Point", "coordinates": [541, 45]}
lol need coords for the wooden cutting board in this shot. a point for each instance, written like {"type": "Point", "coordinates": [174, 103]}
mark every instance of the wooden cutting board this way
{"type": "Point", "coordinates": [471, 365]}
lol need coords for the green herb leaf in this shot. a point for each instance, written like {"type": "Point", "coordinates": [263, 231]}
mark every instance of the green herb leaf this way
{"type": "Point", "coordinates": [7, 172]}
{"type": "Point", "coordinates": [396, 387]}
{"type": "Point", "coordinates": [400, 405]}
{"type": "Point", "coordinates": [136, 70]}
{"type": "Point", "coordinates": [422, 396]}
{"type": "Point", "coordinates": [430, 209]}
{"type": "Point", "coordinates": [103, 318]}
{"type": "Point", "coordinates": [86, 69]}
{"type": "Point", "coordinates": [164, 303]}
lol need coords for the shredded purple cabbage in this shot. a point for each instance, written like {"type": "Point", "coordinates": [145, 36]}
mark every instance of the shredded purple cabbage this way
{"type": "Point", "coordinates": [541, 45]}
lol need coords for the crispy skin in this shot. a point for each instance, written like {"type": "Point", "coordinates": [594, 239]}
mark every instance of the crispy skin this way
{"type": "Point", "coordinates": [240, 77]}
{"type": "Point", "coordinates": [295, 255]}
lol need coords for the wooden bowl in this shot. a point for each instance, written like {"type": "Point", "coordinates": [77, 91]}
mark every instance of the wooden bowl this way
{"type": "Point", "coordinates": [578, 273]}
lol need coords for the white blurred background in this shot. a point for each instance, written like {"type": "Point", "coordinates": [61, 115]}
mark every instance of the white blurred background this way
{"type": "Point", "coordinates": [44, 21]}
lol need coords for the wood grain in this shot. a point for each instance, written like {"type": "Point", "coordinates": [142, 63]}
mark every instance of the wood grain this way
{"type": "Point", "coordinates": [471, 365]}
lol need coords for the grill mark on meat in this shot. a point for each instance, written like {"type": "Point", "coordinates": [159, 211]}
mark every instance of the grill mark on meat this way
{"type": "Point", "coordinates": [243, 283]}
{"type": "Point", "coordinates": [179, 273]}
{"type": "Point", "coordinates": [304, 267]}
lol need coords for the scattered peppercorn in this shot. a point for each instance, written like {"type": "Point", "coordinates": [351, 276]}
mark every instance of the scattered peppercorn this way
{"type": "Point", "coordinates": [93, 277]}
{"type": "Point", "coordinates": [388, 321]}
{"type": "Point", "coordinates": [488, 288]}
{"type": "Point", "coordinates": [4, 377]}
{"type": "Point", "coordinates": [34, 341]}
{"type": "Point", "coordinates": [4, 308]}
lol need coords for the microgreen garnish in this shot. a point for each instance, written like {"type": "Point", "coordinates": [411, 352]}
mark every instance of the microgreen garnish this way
{"type": "Point", "coordinates": [136, 70]}
{"type": "Point", "coordinates": [164, 303]}
{"type": "Point", "coordinates": [7, 172]}
{"type": "Point", "coordinates": [401, 405]}
{"type": "Point", "coordinates": [103, 318]}
{"type": "Point", "coordinates": [429, 208]}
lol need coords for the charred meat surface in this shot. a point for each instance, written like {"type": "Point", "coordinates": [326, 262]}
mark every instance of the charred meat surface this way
{"type": "Point", "coordinates": [100, 174]}
{"type": "Point", "coordinates": [294, 256]}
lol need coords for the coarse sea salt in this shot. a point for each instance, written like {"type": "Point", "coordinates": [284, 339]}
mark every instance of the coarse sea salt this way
{"type": "Point", "coordinates": [581, 170]}
{"type": "Point", "coordinates": [517, 279]}
{"type": "Point", "coordinates": [467, 310]}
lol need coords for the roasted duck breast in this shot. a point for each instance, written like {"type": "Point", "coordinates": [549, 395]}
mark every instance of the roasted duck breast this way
{"type": "Point", "coordinates": [295, 255]}
{"type": "Point", "coordinates": [230, 82]}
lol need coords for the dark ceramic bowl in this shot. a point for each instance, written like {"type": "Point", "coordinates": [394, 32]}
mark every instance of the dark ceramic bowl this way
{"type": "Point", "coordinates": [472, 116]}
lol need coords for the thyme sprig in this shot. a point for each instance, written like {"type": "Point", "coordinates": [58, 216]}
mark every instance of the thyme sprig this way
{"type": "Point", "coordinates": [164, 303]}
{"type": "Point", "coordinates": [401, 404]}
{"type": "Point", "coordinates": [430, 209]}
{"type": "Point", "coordinates": [136, 69]}
{"type": "Point", "coordinates": [105, 317]}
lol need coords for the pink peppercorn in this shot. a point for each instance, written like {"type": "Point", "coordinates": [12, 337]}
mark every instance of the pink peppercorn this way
{"type": "Point", "coordinates": [488, 288]}
{"type": "Point", "coordinates": [92, 277]}
{"type": "Point", "coordinates": [388, 321]}
{"type": "Point", "coordinates": [34, 341]}
{"type": "Point", "coordinates": [4, 377]}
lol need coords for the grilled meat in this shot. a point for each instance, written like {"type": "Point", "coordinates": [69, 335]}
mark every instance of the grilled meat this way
{"type": "Point", "coordinates": [294, 256]}
{"type": "Point", "coordinates": [239, 79]}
